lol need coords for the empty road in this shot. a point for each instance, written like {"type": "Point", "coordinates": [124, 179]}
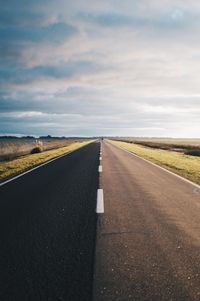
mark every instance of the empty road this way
{"type": "Point", "coordinates": [48, 230]}
{"type": "Point", "coordinates": [148, 239]}
{"type": "Point", "coordinates": [144, 246]}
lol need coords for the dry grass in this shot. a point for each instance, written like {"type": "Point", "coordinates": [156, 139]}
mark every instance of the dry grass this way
{"type": "Point", "coordinates": [186, 146]}
{"type": "Point", "coordinates": [184, 165]}
{"type": "Point", "coordinates": [166, 141]}
{"type": "Point", "coordinates": [11, 168]}
{"type": "Point", "coordinates": [14, 148]}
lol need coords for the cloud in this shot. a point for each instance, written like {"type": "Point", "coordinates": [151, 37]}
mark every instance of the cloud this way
{"type": "Point", "coordinates": [54, 33]}
{"type": "Point", "coordinates": [64, 70]}
{"type": "Point", "coordinates": [170, 19]}
{"type": "Point", "coordinates": [110, 19]}
{"type": "Point", "coordinates": [100, 67]}
{"type": "Point", "coordinates": [85, 109]}
{"type": "Point", "coordinates": [16, 40]}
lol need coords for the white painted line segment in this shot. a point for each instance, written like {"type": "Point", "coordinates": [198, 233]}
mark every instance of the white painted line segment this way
{"type": "Point", "coordinates": [166, 170]}
{"type": "Point", "coordinates": [100, 201]}
{"type": "Point", "coordinates": [100, 158]}
{"type": "Point", "coordinates": [100, 168]}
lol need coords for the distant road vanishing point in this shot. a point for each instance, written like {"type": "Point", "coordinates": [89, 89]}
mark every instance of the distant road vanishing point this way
{"type": "Point", "coordinates": [99, 224]}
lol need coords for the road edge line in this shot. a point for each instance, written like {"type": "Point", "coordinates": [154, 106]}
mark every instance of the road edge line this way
{"type": "Point", "coordinates": [38, 166]}
{"type": "Point", "coordinates": [154, 164]}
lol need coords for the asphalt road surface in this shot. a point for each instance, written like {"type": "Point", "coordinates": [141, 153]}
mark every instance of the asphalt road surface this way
{"type": "Point", "coordinates": [144, 247]}
{"type": "Point", "coordinates": [48, 230]}
{"type": "Point", "coordinates": [148, 238]}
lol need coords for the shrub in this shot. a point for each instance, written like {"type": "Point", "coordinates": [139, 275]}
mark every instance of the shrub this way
{"type": "Point", "coordinates": [36, 150]}
{"type": "Point", "coordinates": [193, 152]}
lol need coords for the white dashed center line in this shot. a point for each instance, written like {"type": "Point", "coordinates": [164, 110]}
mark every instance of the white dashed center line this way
{"type": "Point", "coordinates": [100, 202]}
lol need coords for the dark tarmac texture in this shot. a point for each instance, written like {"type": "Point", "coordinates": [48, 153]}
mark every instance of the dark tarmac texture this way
{"type": "Point", "coordinates": [148, 239]}
{"type": "Point", "coordinates": [48, 230]}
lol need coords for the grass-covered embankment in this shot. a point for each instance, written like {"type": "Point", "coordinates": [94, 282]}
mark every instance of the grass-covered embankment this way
{"type": "Point", "coordinates": [17, 166]}
{"type": "Point", "coordinates": [15, 147]}
{"type": "Point", "coordinates": [181, 164]}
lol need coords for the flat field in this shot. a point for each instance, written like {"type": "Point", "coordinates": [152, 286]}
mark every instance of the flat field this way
{"type": "Point", "coordinates": [185, 165]}
{"type": "Point", "coordinates": [170, 141]}
{"type": "Point", "coordinates": [12, 148]}
{"type": "Point", "coordinates": [186, 146]}
{"type": "Point", "coordinates": [16, 166]}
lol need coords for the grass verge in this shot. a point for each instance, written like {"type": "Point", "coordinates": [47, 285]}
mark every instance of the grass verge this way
{"type": "Point", "coordinates": [17, 166]}
{"type": "Point", "coordinates": [184, 165]}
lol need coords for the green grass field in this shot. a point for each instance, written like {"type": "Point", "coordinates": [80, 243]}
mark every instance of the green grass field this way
{"type": "Point", "coordinates": [181, 164]}
{"type": "Point", "coordinates": [17, 166]}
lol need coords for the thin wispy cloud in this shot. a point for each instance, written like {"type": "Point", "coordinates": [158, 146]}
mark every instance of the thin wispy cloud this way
{"type": "Point", "coordinates": [100, 67]}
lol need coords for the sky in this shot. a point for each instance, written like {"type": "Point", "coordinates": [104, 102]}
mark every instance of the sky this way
{"type": "Point", "coordinates": [106, 67]}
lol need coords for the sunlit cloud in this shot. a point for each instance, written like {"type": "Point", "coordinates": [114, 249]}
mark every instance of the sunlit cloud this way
{"type": "Point", "coordinates": [100, 67]}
